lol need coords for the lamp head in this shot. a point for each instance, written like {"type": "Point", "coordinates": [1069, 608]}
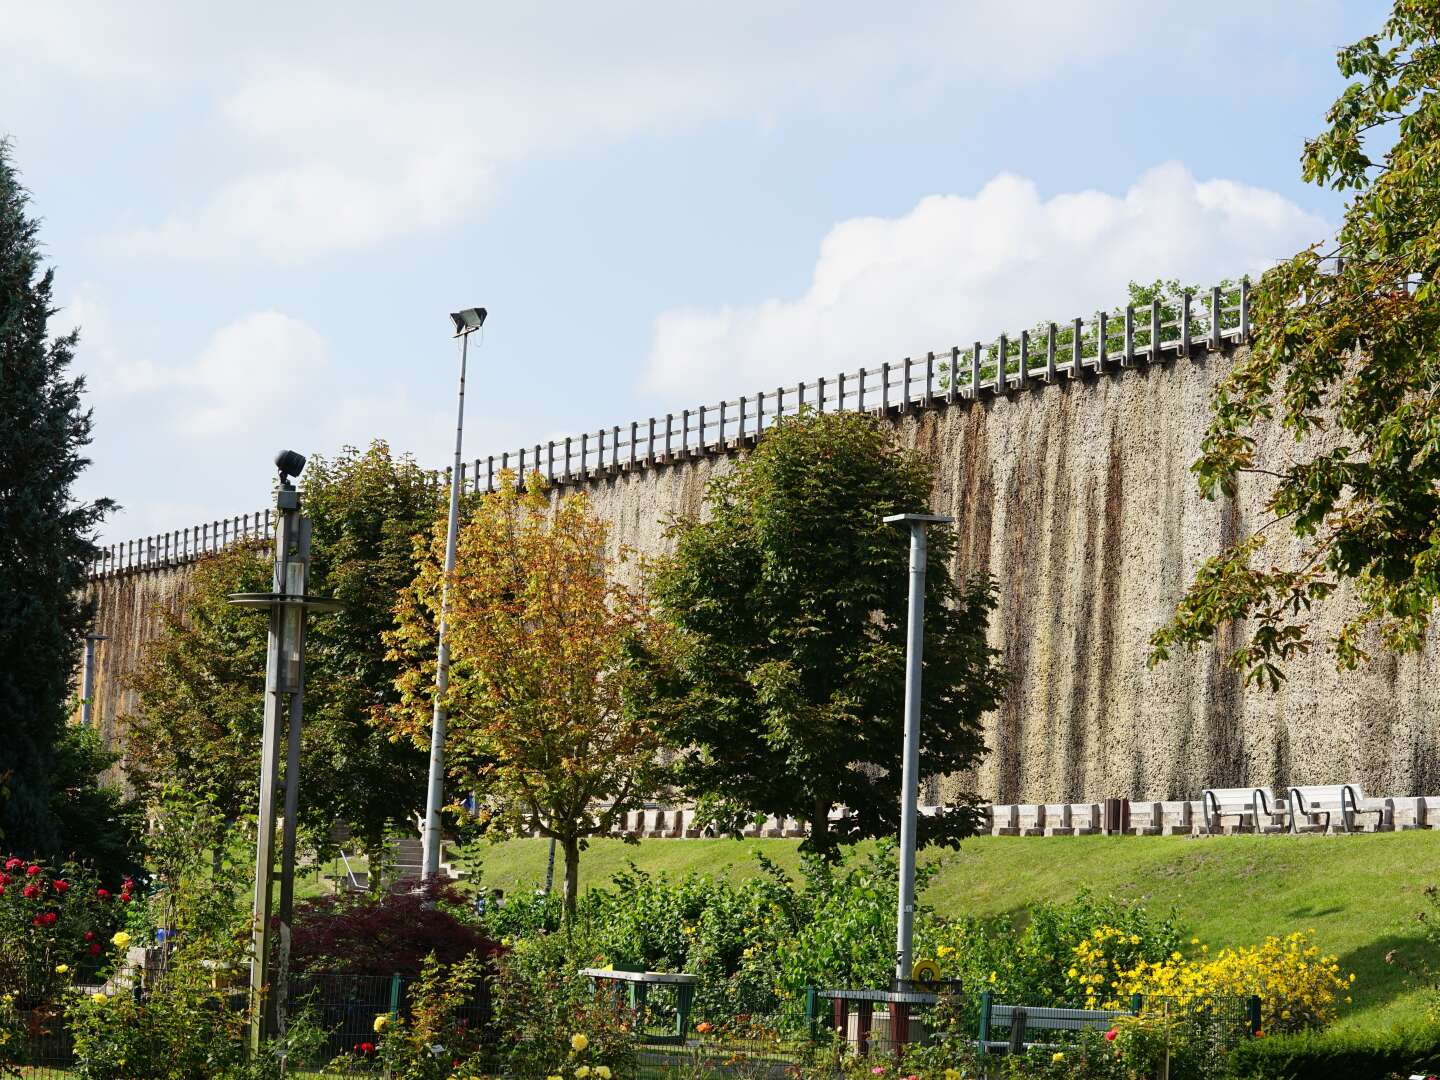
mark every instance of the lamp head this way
{"type": "Point", "coordinates": [468, 320]}
{"type": "Point", "coordinates": [290, 464]}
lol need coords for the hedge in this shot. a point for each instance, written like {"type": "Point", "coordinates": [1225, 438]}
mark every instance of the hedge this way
{"type": "Point", "coordinates": [1340, 1055]}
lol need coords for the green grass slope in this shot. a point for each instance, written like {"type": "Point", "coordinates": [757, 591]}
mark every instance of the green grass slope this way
{"type": "Point", "coordinates": [1358, 893]}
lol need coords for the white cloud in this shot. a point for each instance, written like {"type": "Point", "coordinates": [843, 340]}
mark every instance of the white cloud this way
{"type": "Point", "coordinates": [319, 137]}
{"type": "Point", "coordinates": [958, 268]}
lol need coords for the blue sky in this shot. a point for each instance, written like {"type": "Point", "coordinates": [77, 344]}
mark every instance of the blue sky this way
{"type": "Point", "coordinates": [261, 214]}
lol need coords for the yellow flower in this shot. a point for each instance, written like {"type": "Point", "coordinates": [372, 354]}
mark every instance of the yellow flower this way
{"type": "Point", "coordinates": [60, 969]}
{"type": "Point", "coordinates": [579, 1041]}
{"type": "Point", "coordinates": [554, 1077]}
{"type": "Point", "coordinates": [98, 998]}
{"type": "Point", "coordinates": [381, 1023]}
{"type": "Point", "coordinates": [952, 1074]}
{"type": "Point", "coordinates": [582, 1072]}
{"type": "Point", "coordinates": [120, 940]}
{"type": "Point", "coordinates": [1057, 1057]}
{"type": "Point", "coordinates": [603, 1072]}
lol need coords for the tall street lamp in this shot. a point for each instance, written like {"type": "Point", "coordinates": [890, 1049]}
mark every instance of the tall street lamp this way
{"type": "Point", "coordinates": [466, 323]}
{"type": "Point", "coordinates": [910, 771]}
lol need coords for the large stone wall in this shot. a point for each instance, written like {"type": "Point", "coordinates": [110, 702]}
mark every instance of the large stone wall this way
{"type": "Point", "coordinates": [1077, 497]}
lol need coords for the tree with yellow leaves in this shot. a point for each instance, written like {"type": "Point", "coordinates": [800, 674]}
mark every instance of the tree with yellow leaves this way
{"type": "Point", "coordinates": [546, 651]}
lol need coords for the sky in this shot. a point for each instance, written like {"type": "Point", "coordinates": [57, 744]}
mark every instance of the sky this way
{"type": "Point", "coordinates": [260, 214]}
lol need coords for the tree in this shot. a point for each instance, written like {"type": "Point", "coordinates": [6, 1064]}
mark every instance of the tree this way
{"type": "Point", "coordinates": [549, 654]}
{"type": "Point", "coordinates": [1347, 357]}
{"type": "Point", "coordinates": [790, 600]}
{"type": "Point", "coordinates": [201, 682]}
{"type": "Point", "coordinates": [46, 533]}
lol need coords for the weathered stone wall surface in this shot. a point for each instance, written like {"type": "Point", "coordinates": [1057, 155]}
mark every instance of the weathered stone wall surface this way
{"type": "Point", "coordinates": [129, 611]}
{"type": "Point", "coordinates": [1077, 497]}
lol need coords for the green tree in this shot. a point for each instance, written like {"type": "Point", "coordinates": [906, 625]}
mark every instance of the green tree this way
{"type": "Point", "coordinates": [790, 598]}
{"type": "Point", "coordinates": [45, 533]}
{"type": "Point", "coordinates": [198, 723]}
{"type": "Point", "coordinates": [549, 659]}
{"type": "Point", "coordinates": [1346, 358]}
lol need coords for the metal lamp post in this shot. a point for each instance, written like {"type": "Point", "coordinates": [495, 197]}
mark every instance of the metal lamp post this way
{"type": "Point", "coordinates": [284, 709]}
{"type": "Point", "coordinates": [466, 323]}
{"type": "Point", "coordinates": [910, 770]}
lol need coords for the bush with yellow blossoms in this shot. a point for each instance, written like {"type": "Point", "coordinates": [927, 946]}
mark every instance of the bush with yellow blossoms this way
{"type": "Point", "coordinates": [1297, 985]}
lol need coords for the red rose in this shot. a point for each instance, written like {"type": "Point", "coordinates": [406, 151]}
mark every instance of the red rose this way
{"type": "Point", "coordinates": [30, 892]}
{"type": "Point", "coordinates": [60, 885]}
{"type": "Point", "coordinates": [32, 869]}
{"type": "Point", "coordinates": [4, 879]}
{"type": "Point", "coordinates": [2, 888]}
{"type": "Point", "coordinates": [102, 894]}
{"type": "Point", "coordinates": [124, 897]}
{"type": "Point", "coordinates": [50, 918]}
{"type": "Point", "coordinates": [89, 935]}
{"type": "Point", "coordinates": [1110, 1035]}
{"type": "Point", "coordinates": [38, 920]}
{"type": "Point", "coordinates": [95, 949]}
{"type": "Point", "coordinates": [367, 1048]}
{"type": "Point", "coordinates": [11, 863]}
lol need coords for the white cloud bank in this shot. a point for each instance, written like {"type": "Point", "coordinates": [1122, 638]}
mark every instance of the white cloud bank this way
{"type": "Point", "coordinates": [959, 268]}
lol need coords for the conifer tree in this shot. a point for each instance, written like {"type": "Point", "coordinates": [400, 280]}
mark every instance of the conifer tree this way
{"type": "Point", "coordinates": [45, 532]}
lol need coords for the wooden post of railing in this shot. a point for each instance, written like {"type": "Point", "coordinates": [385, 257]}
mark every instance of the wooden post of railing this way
{"type": "Point", "coordinates": [779, 402]}
{"type": "Point", "coordinates": [952, 389]}
{"type": "Point", "coordinates": [860, 392]}
{"type": "Point", "coordinates": [759, 412]}
{"type": "Point", "coordinates": [1215, 319]}
{"type": "Point", "coordinates": [1077, 349]}
{"type": "Point", "coordinates": [1102, 330]}
{"type": "Point", "coordinates": [905, 386]}
{"type": "Point", "coordinates": [740, 424]}
{"type": "Point", "coordinates": [1129, 358]}
{"type": "Point", "coordinates": [799, 398]}
{"type": "Point", "coordinates": [840, 392]}
{"type": "Point", "coordinates": [1002, 361]}
{"type": "Point", "coordinates": [650, 442]}
{"type": "Point", "coordinates": [684, 432]}
{"type": "Point", "coordinates": [1245, 308]}
{"type": "Point", "coordinates": [615, 448]}
{"type": "Point", "coordinates": [634, 440]}
{"type": "Point", "coordinates": [584, 454]}
{"type": "Point", "coordinates": [820, 394]}
{"type": "Point", "coordinates": [1050, 353]}
{"type": "Point", "coordinates": [669, 421]}
{"type": "Point", "coordinates": [1155, 330]}
{"type": "Point", "coordinates": [1185, 324]}
{"type": "Point", "coordinates": [929, 379]}
{"type": "Point", "coordinates": [720, 442]}
{"type": "Point", "coordinates": [565, 476]}
{"type": "Point", "coordinates": [975, 372]}
{"type": "Point", "coordinates": [1024, 380]}
{"type": "Point", "coordinates": [884, 387]}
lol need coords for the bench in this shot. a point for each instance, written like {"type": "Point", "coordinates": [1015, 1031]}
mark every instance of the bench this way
{"type": "Point", "coordinates": [1317, 803]}
{"type": "Point", "coordinates": [1021, 1020]}
{"type": "Point", "coordinates": [1254, 803]}
{"type": "Point", "coordinates": [637, 986]}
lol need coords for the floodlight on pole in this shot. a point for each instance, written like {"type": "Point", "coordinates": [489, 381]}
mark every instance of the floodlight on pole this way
{"type": "Point", "coordinates": [466, 323]}
{"type": "Point", "coordinates": [910, 767]}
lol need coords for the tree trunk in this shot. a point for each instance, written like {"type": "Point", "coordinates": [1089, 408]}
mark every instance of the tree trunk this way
{"type": "Point", "coordinates": [571, 847]}
{"type": "Point", "coordinates": [820, 828]}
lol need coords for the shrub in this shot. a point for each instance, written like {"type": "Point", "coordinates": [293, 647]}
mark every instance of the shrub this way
{"type": "Point", "coordinates": [1297, 986]}
{"type": "Point", "coordinates": [436, 1041]}
{"type": "Point", "coordinates": [386, 933]}
{"type": "Point", "coordinates": [1340, 1055]}
{"type": "Point", "coordinates": [542, 1002]}
{"type": "Point", "coordinates": [53, 923]}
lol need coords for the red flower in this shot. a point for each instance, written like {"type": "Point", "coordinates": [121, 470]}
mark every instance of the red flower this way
{"type": "Point", "coordinates": [124, 897]}
{"type": "Point", "coordinates": [30, 891]}
{"type": "Point", "coordinates": [11, 863]}
{"type": "Point", "coordinates": [2, 888]}
{"type": "Point", "coordinates": [89, 935]}
{"type": "Point", "coordinates": [32, 869]}
{"type": "Point", "coordinates": [95, 949]}
{"type": "Point", "coordinates": [102, 894]}
{"type": "Point", "coordinates": [49, 918]}
{"type": "Point", "coordinates": [367, 1048]}
{"type": "Point", "coordinates": [1110, 1035]}
{"type": "Point", "coordinates": [60, 885]}
{"type": "Point", "coordinates": [38, 920]}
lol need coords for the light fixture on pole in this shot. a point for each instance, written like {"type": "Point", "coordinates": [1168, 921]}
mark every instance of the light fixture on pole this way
{"type": "Point", "coordinates": [466, 323]}
{"type": "Point", "coordinates": [284, 711]}
{"type": "Point", "coordinates": [910, 767]}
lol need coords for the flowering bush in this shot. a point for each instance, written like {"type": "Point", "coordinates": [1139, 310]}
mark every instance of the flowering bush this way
{"type": "Point", "coordinates": [53, 923]}
{"type": "Point", "coordinates": [436, 1041]}
{"type": "Point", "coordinates": [1298, 987]}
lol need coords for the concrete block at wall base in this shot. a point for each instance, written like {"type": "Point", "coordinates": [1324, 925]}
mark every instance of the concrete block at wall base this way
{"type": "Point", "coordinates": [1004, 820]}
{"type": "Point", "coordinates": [1057, 819]}
{"type": "Point", "coordinates": [1410, 813]}
{"type": "Point", "coordinates": [774, 826]}
{"type": "Point", "coordinates": [1031, 819]}
{"type": "Point", "coordinates": [1175, 818]}
{"type": "Point", "coordinates": [1085, 818]}
{"type": "Point", "coordinates": [1146, 819]}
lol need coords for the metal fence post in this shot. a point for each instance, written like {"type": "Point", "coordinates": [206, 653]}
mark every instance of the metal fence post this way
{"type": "Point", "coordinates": [1252, 1013]}
{"type": "Point", "coordinates": [394, 995]}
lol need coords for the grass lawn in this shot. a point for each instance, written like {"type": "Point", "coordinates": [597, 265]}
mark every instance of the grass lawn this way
{"type": "Point", "coordinates": [1359, 893]}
